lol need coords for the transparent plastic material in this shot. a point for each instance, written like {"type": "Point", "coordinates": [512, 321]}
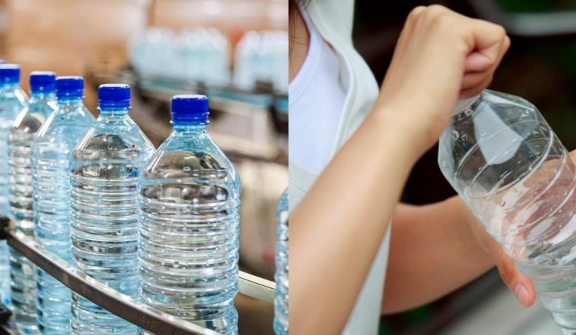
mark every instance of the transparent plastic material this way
{"type": "Point", "coordinates": [189, 237]}
{"type": "Point", "coordinates": [22, 271]}
{"type": "Point", "coordinates": [104, 173]}
{"type": "Point", "coordinates": [51, 152]}
{"type": "Point", "coordinates": [281, 301]}
{"type": "Point", "coordinates": [12, 100]}
{"type": "Point", "coordinates": [513, 172]}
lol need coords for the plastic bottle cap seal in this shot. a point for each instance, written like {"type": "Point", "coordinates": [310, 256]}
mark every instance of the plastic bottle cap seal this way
{"type": "Point", "coordinates": [69, 86]}
{"type": "Point", "coordinates": [114, 95]}
{"type": "Point", "coordinates": [190, 109]}
{"type": "Point", "coordinates": [9, 73]}
{"type": "Point", "coordinates": [42, 81]}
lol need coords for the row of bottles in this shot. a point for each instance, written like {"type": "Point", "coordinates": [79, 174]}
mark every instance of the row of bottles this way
{"type": "Point", "coordinates": [259, 57]}
{"type": "Point", "coordinates": [160, 52]}
{"type": "Point", "coordinates": [159, 225]}
{"type": "Point", "coordinates": [97, 194]}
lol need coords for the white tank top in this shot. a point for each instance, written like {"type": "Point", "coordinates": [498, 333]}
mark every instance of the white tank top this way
{"type": "Point", "coordinates": [316, 102]}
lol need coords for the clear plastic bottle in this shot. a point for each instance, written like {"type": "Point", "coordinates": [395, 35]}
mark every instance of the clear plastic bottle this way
{"type": "Point", "coordinates": [513, 172]}
{"type": "Point", "coordinates": [262, 56]}
{"type": "Point", "coordinates": [12, 100]}
{"type": "Point", "coordinates": [190, 200]}
{"type": "Point", "coordinates": [220, 75]}
{"type": "Point", "coordinates": [137, 52]}
{"type": "Point", "coordinates": [104, 208]}
{"type": "Point", "coordinates": [190, 46]}
{"type": "Point", "coordinates": [280, 62]}
{"type": "Point", "coordinates": [216, 53]}
{"type": "Point", "coordinates": [23, 131]}
{"type": "Point", "coordinates": [246, 60]}
{"type": "Point", "coordinates": [4, 264]}
{"type": "Point", "coordinates": [281, 301]}
{"type": "Point", "coordinates": [152, 53]}
{"type": "Point", "coordinates": [51, 153]}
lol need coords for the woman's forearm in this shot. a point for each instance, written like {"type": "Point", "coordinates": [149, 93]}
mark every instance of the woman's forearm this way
{"type": "Point", "coordinates": [337, 228]}
{"type": "Point", "coordinates": [433, 251]}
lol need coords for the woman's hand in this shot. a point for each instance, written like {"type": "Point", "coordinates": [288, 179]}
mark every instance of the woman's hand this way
{"type": "Point", "coordinates": [440, 56]}
{"type": "Point", "coordinates": [518, 283]}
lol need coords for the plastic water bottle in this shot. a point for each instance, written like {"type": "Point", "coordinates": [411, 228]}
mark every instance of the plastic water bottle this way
{"type": "Point", "coordinates": [246, 61]}
{"type": "Point", "coordinates": [513, 172]}
{"type": "Point", "coordinates": [152, 53]}
{"type": "Point", "coordinates": [195, 46]}
{"type": "Point", "coordinates": [104, 208]}
{"type": "Point", "coordinates": [281, 301]}
{"type": "Point", "coordinates": [220, 55]}
{"type": "Point", "coordinates": [262, 57]}
{"type": "Point", "coordinates": [23, 131]}
{"type": "Point", "coordinates": [186, 47]}
{"type": "Point", "coordinates": [190, 201]}
{"type": "Point", "coordinates": [12, 100]}
{"type": "Point", "coordinates": [214, 54]}
{"type": "Point", "coordinates": [280, 62]}
{"type": "Point", "coordinates": [51, 152]}
{"type": "Point", "coordinates": [4, 265]}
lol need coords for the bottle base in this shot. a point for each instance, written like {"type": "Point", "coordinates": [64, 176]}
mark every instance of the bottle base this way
{"type": "Point", "coordinates": [224, 326]}
{"type": "Point", "coordinates": [279, 328]}
{"type": "Point", "coordinates": [27, 329]}
{"type": "Point", "coordinates": [90, 319]}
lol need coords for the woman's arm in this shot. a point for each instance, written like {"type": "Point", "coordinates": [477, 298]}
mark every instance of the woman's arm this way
{"type": "Point", "coordinates": [338, 226]}
{"type": "Point", "coordinates": [335, 232]}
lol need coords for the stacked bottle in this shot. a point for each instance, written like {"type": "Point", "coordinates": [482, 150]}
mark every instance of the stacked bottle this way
{"type": "Point", "coordinates": [161, 53]}
{"type": "Point", "coordinates": [105, 166]}
{"type": "Point", "coordinates": [190, 200]}
{"type": "Point", "coordinates": [281, 301]}
{"type": "Point", "coordinates": [12, 100]}
{"type": "Point", "coordinates": [51, 152]}
{"type": "Point", "coordinates": [22, 133]}
{"type": "Point", "coordinates": [261, 57]}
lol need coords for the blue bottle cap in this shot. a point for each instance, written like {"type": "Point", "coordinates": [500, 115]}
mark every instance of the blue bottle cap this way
{"type": "Point", "coordinates": [42, 81]}
{"type": "Point", "coordinates": [190, 109]}
{"type": "Point", "coordinates": [9, 74]}
{"type": "Point", "coordinates": [69, 87]}
{"type": "Point", "coordinates": [114, 96]}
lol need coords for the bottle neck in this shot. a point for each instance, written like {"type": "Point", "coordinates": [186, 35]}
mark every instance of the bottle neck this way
{"type": "Point", "coordinates": [70, 102]}
{"type": "Point", "coordinates": [37, 96]}
{"type": "Point", "coordinates": [9, 86]}
{"type": "Point", "coordinates": [114, 112]}
{"type": "Point", "coordinates": [464, 104]}
{"type": "Point", "coordinates": [189, 128]}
